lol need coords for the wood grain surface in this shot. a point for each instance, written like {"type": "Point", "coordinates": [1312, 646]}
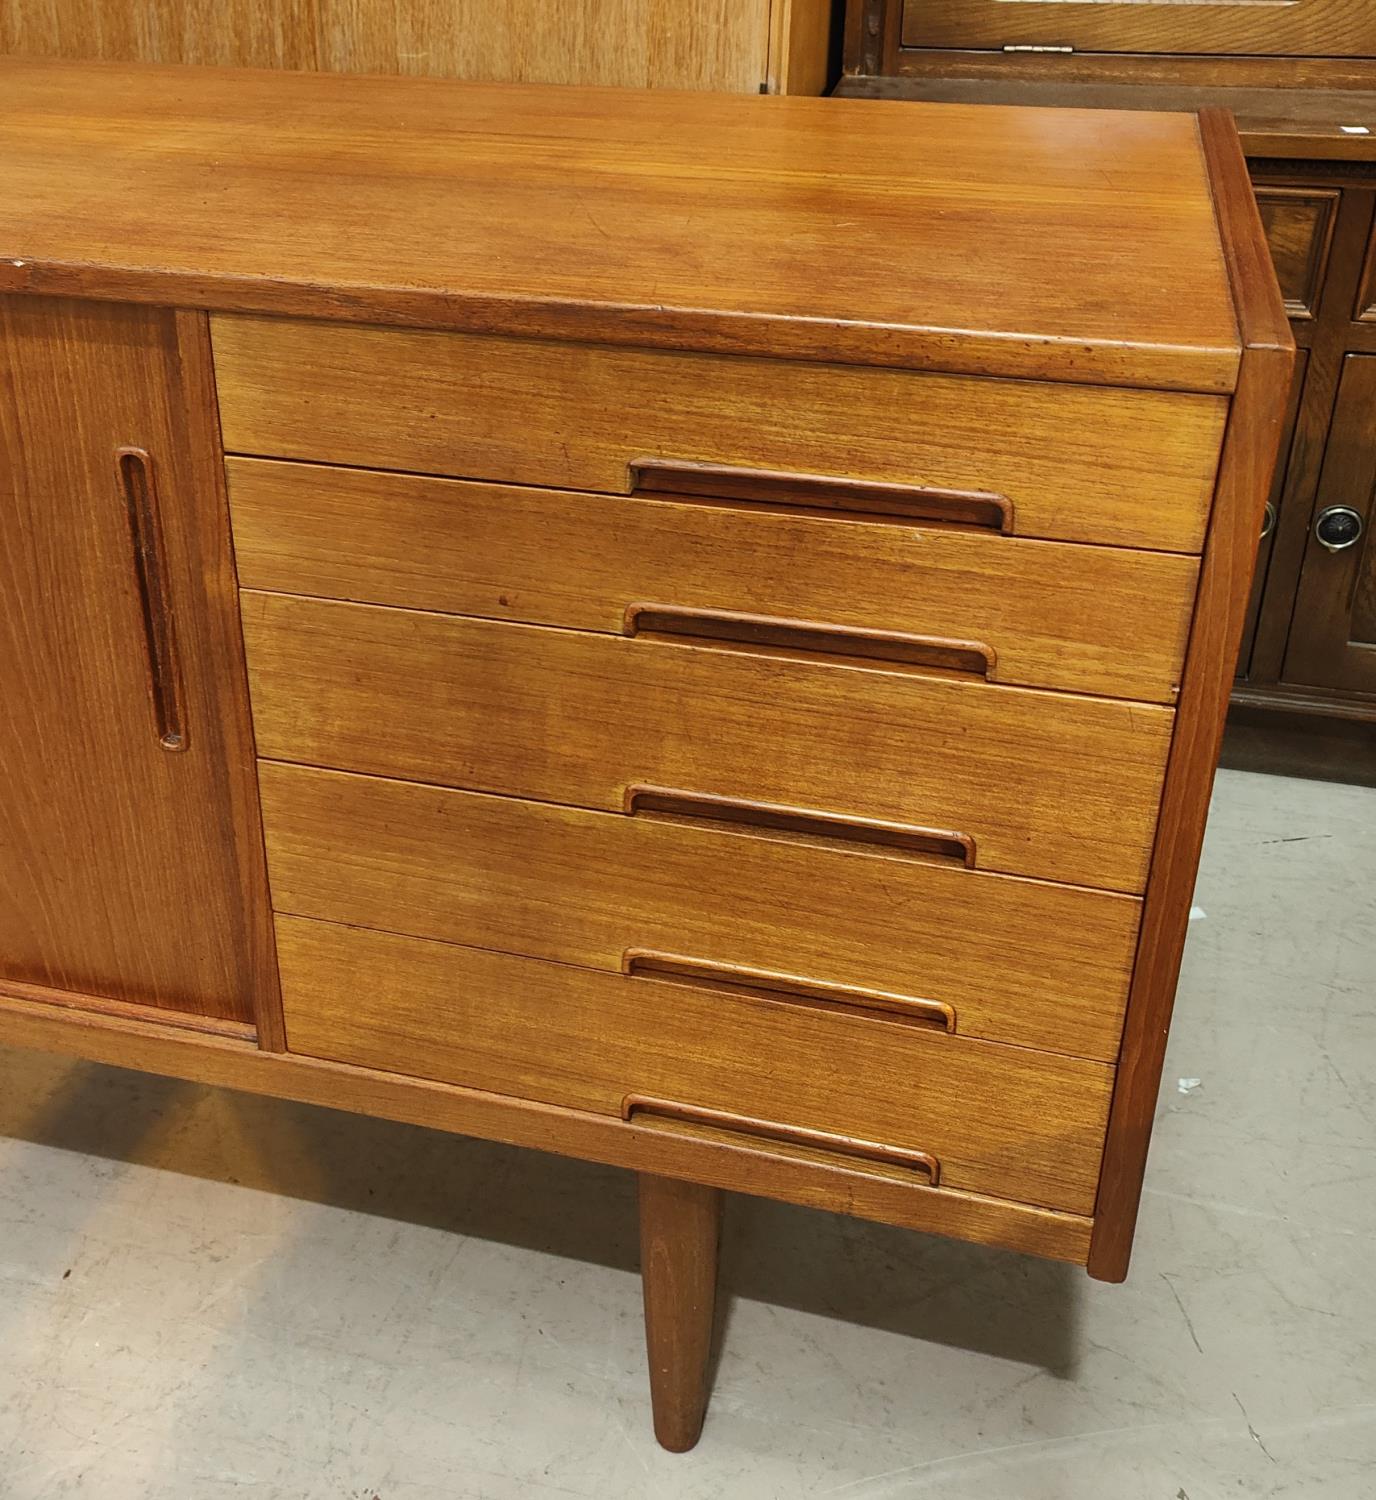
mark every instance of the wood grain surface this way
{"type": "Point", "coordinates": [1089, 619]}
{"type": "Point", "coordinates": [720, 1159]}
{"type": "Point", "coordinates": [131, 863]}
{"type": "Point", "coordinates": [1020, 961]}
{"type": "Point", "coordinates": [1249, 458]}
{"type": "Point", "coordinates": [1005, 1121]}
{"type": "Point", "coordinates": [944, 237]}
{"type": "Point", "coordinates": [1320, 28]}
{"type": "Point", "coordinates": [1052, 785]}
{"type": "Point", "coordinates": [680, 1236]}
{"type": "Point", "coordinates": [683, 44]}
{"type": "Point", "coordinates": [1076, 463]}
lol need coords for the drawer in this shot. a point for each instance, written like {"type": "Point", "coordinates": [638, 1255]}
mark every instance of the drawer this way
{"type": "Point", "coordinates": [1019, 961]}
{"type": "Point", "coordinates": [1005, 779]}
{"type": "Point", "coordinates": [1044, 614]}
{"type": "Point", "coordinates": [1078, 463]}
{"type": "Point", "coordinates": [1304, 28]}
{"type": "Point", "coordinates": [1006, 1121]}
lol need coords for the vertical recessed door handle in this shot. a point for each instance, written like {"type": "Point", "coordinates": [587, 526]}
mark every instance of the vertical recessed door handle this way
{"type": "Point", "coordinates": [138, 490]}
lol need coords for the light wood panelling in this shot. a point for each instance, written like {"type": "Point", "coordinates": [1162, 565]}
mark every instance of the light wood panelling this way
{"type": "Point", "coordinates": [1090, 619]}
{"type": "Point", "coordinates": [680, 44]}
{"type": "Point", "coordinates": [1055, 786]}
{"type": "Point", "coordinates": [821, 229]}
{"type": "Point", "coordinates": [1007, 1121]}
{"type": "Point", "coordinates": [799, 45]}
{"type": "Point", "coordinates": [1076, 463]}
{"type": "Point", "coordinates": [1016, 960]}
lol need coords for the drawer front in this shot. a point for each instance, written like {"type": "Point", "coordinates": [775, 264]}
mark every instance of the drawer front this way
{"type": "Point", "coordinates": [1306, 28]}
{"type": "Point", "coordinates": [1133, 468]}
{"type": "Point", "coordinates": [1019, 961]}
{"type": "Point", "coordinates": [1008, 779]}
{"type": "Point", "coordinates": [1005, 1121]}
{"type": "Point", "coordinates": [1299, 226]}
{"type": "Point", "coordinates": [1046, 614]}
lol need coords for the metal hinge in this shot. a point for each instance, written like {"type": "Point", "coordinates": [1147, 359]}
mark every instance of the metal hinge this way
{"type": "Point", "coordinates": [1012, 47]}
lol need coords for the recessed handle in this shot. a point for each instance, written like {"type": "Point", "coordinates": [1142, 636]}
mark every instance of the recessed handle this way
{"type": "Point", "coordinates": [808, 638]}
{"type": "Point", "coordinates": [636, 1106]}
{"type": "Point", "coordinates": [1268, 520]}
{"type": "Point", "coordinates": [138, 490]}
{"type": "Point", "coordinates": [792, 989]}
{"type": "Point", "coordinates": [1339, 527]}
{"type": "Point", "coordinates": [824, 494]}
{"type": "Point", "coordinates": [673, 805]}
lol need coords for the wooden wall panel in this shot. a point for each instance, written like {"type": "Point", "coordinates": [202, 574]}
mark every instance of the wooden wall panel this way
{"type": "Point", "coordinates": [695, 44]}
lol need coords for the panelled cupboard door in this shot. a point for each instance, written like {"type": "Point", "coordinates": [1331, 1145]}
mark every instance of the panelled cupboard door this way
{"type": "Point", "coordinates": [1333, 638]}
{"type": "Point", "coordinates": [1286, 477]}
{"type": "Point", "coordinates": [1306, 28]}
{"type": "Point", "coordinates": [128, 816]}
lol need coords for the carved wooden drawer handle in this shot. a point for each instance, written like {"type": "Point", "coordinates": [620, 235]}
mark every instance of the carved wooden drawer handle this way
{"type": "Point", "coordinates": [807, 637]}
{"type": "Point", "coordinates": [650, 963]}
{"type": "Point", "coordinates": [134, 468]}
{"type": "Point", "coordinates": [857, 499]}
{"type": "Point", "coordinates": [673, 805]}
{"type": "Point", "coordinates": [634, 1106]}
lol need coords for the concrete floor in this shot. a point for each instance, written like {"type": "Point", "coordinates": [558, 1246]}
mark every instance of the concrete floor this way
{"type": "Point", "coordinates": [205, 1295]}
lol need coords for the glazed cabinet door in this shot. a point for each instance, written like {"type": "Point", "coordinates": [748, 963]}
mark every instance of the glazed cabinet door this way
{"type": "Point", "coordinates": [130, 853]}
{"type": "Point", "coordinates": [1333, 637]}
{"type": "Point", "coordinates": [1328, 28]}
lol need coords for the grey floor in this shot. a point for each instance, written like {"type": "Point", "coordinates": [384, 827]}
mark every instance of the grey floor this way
{"type": "Point", "coordinates": [206, 1295]}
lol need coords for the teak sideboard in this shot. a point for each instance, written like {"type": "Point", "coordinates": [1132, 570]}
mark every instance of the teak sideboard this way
{"type": "Point", "coordinates": [687, 632]}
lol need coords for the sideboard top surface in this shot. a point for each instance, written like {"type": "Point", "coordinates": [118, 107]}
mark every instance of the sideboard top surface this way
{"type": "Point", "coordinates": [1068, 245]}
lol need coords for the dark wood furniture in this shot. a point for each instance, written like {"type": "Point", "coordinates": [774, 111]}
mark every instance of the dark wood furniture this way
{"type": "Point", "coordinates": [1302, 81]}
{"type": "Point", "coordinates": [474, 672]}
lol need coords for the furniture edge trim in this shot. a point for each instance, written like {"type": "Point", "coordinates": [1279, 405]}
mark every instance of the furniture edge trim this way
{"type": "Point", "coordinates": [223, 1062]}
{"type": "Point", "coordinates": [1188, 369]}
{"type": "Point", "coordinates": [246, 831]}
{"type": "Point", "coordinates": [1251, 447]}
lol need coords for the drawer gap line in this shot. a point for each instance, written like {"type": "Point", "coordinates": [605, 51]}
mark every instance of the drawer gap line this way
{"type": "Point", "coordinates": [447, 476]}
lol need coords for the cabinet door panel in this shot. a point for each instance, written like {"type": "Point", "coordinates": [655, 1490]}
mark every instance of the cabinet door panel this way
{"type": "Point", "coordinates": [1299, 231]}
{"type": "Point", "coordinates": [130, 852]}
{"type": "Point", "coordinates": [1333, 636]}
{"type": "Point", "coordinates": [1329, 28]}
{"type": "Point", "coordinates": [1279, 488]}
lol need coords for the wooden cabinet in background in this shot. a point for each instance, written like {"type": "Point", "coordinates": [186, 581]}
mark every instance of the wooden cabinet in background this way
{"type": "Point", "coordinates": [1301, 79]}
{"type": "Point", "coordinates": [740, 46]}
{"type": "Point", "coordinates": [1310, 654]}
{"type": "Point", "coordinates": [1336, 599]}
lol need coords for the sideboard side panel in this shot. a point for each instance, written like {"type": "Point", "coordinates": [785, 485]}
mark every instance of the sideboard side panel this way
{"type": "Point", "coordinates": [1250, 448]}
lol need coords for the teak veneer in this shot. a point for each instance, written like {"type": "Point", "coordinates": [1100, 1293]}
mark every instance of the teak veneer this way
{"type": "Point", "coordinates": [601, 661]}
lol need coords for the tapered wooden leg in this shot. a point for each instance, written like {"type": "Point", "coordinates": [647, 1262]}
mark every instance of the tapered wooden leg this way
{"type": "Point", "coordinates": [680, 1233]}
